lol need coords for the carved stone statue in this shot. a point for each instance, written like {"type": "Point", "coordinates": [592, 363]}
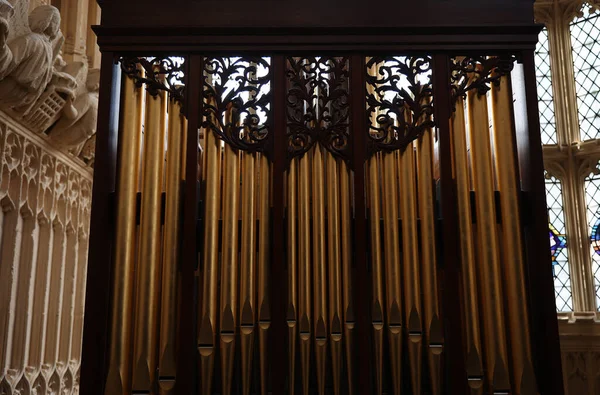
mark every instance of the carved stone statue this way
{"type": "Point", "coordinates": [30, 69]}
{"type": "Point", "coordinates": [6, 11]}
{"type": "Point", "coordinates": [78, 121]}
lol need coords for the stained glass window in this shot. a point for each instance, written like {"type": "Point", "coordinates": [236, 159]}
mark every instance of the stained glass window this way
{"type": "Point", "coordinates": [558, 245]}
{"type": "Point", "coordinates": [544, 84]}
{"type": "Point", "coordinates": [585, 37]}
{"type": "Point", "coordinates": [592, 195]}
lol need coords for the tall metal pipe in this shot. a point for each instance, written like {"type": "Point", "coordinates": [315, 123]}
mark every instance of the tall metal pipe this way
{"type": "Point", "coordinates": [377, 319]}
{"type": "Point", "coordinates": [149, 254]}
{"type": "Point", "coordinates": [304, 270]}
{"type": "Point", "coordinates": [514, 278]}
{"type": "Point", "coordinates": [490, 271]}
{"type": "Point", "coordinates": [467, 251]}
{"type": "Point", "coordinates": [248, 269]}
{"type": "Point", "coordinates": [171, 242]}
{"type": "Point", "coordinates": [431, 304]}
{"type": "Point", "coordinates": [292, 256]}
{"type": "Point", "coordinates": [229, 265]}
{"type": "Point", "coordinates": [334, 265]}
{"type": "Point", "coordinates": [207, 325]}
{"type": "Point", "coordinates": [392, 267]}
{"type": "Point", "coordinates": [347, 294]}
{"type": "Point", "coordinates": [118, 380]}
{"type": "Point", "coordinates": [319, 267]}
{"type": "Point", "coordinates": [411, 269]}
{"type": "Point", "coordinates": [264, 308]}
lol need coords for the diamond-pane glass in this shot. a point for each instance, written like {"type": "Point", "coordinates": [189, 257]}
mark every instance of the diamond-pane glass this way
{"type": "Point", "coordinates": [558, 245]}
{"type": "Point", "coordinates": [544, 89]}
{"type": "Point", "coordinates": [585, 36]}
{"type": "Point", "coordinates": [592, 196]}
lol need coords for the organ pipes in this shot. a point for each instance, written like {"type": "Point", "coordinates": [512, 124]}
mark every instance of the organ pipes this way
{"type": "Point", "coordinates": [149, 253]}
{"type": "Point", "coordinates": [304, 272]}
{"type": "Point", "coordinates": [292, 256]}
{"type": "Point", "coordinates": [467, 248]}
{"type": "Point", "coordinates": [234, 304]}
{"type": "Point", "coordinates": [489, 270]}
{"type": "Point", "coordinates": [514, 279]}
{"type": "Point", "coordinates": [248, 269]}
{"type": "Point", "coordinates": [431, 304]}
{"type": "Point", "coordinates": [264, 309]}
{"type": "Point", "coordinates": [411, 266]}
{"type": "Point", "coordinates": [119, 372]}
{"type": "Point", "coordinates": [171, 242]}
{"type": "Point", "coordinates": [378, 275]}
{"type": "Point", "coordinates": [229, 264]}
{"type": "Point", "coordinates": [207, 325]}
{"type": "Point", "coordinates": [335, 269]}
{"type": "Point", "coordinates": [392, 275]}
{"type": "Point", "coordinates": [346, 251]}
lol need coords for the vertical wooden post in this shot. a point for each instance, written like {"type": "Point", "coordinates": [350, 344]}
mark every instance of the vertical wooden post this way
{"type": "Point", "coordinates": [362, 282]}
{"type": "Point", "coordinates": [456, 376]}
{"type": "Point", "coordinates": [95, 340]}
{"type": "Point", "coordinates": [278, 259]}
{"type": "Point", "coordinates": [542, 308]}
{"type": "Point", "coordinates": [186, 361]}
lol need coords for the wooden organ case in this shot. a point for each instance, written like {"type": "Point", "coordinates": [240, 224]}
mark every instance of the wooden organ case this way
{"type": "Point", "coordinates": [319, 198]}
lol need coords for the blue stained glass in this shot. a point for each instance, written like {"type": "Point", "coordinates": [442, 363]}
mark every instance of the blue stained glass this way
{"type": "Point", "coordinates": [557, 243]}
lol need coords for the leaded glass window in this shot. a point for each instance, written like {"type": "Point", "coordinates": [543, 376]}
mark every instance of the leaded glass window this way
{"type": "Point", "coordinates": [592, 195]}
{"type": "Point", "coordinates": [558, 245]}
{"type": "Point", "coordinates": [544, 84]}
{"type": "Point", "coordinates": [585, 36]}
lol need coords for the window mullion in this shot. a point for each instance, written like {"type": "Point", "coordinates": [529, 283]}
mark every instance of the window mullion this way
{"type": "Point", "coordinates": [577, 225]}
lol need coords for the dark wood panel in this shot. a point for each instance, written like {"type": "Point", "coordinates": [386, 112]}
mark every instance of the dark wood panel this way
{"type": "Point", "coordinates": [316, 13]}
{"type": "Point", "coordinates": [97, 302]}
{"type": "Point", "coordinates": [540, 284]}
{"type": "Point", "coordinates": [179, 39]}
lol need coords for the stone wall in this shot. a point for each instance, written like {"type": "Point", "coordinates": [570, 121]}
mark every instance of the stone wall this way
{"type": "Point", "coordinates": [45, 197]}
{"type": "Point", "coordinates": [48, 108]}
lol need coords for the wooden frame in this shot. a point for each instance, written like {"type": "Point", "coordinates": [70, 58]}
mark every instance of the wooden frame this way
{"type": "Point", "coordinates": [439, 27]}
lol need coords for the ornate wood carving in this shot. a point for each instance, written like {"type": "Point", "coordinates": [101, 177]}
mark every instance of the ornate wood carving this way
{"type": "Point", "coordinates": [399, 105]}
{"type": "Point", "coordinates": [159, 74]}
{"type": "Point", "coordinates": [318, 106]}
{"type": "Point", "coordinates": [478, 73]}
{"type": "Point", "coordinates": [237, 101]}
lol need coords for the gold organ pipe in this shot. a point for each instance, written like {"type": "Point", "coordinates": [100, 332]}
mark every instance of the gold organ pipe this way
{"type": "Point", "coordinates": [119, 372]}
{"type": "Point", "coordinates": [229, 263]}
{"type": "Point", "coordinates": [431, 309]}
{"type": "Point", "coordinates": [292, 195]}
{"type": "Point", "coordinates": [392, 267]}
{"type": "Point", "coordinates": [411, 277]}
{"type": "Point", "coordinates": [488, 256]}
{"type": "Point", "coordinates": [514, 279]}
{"type": "Point", "coordinates": [304, 272]}
{"type": "Point", "coordinates": [264, 312]}
{"type": "Point", "coordinates": [172, 232]}
{"type": "Point", "coordinates": [467, 249]}
{"type": "Point", "coordinates": [376, 262]}
{"type": "Point", "coordinates": [149, 256]}
{"type": "Point", "coordinates": [335, 268]}
{"type": "Point", "coordinates": [319, 266]}
{"type": "Point", "coordinates": [207, 327]}
{"type": "Point", "coordinates": [374, 204]}
{"type": "Point", "coordinates": [346, 236]}
{"type": "Point", "coordinates": [247, 269]}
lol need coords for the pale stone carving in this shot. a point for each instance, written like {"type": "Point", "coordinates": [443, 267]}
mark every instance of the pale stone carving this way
{"type": "Point", "coordinates": [37, 87]}
{"type": "Point", "coordinates": [78, 122]}
{"type": "Point", "coordinates": [30, 70]}
{"type": "Point", "coordinates": [45, 198]}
